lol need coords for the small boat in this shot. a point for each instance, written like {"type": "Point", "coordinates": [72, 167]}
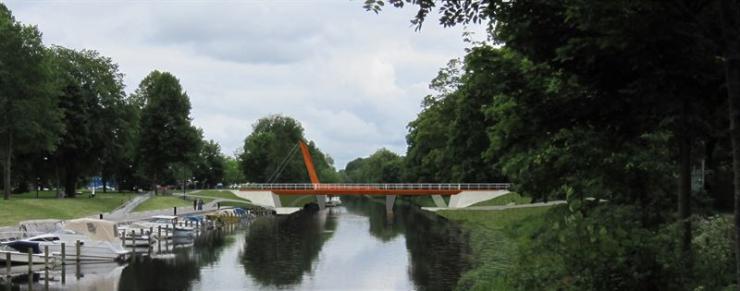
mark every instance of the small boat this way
{"type": "Point", "coordinates": [98, 241]}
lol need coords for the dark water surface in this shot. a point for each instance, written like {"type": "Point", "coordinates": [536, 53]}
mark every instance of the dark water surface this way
{"type": "Point", "coordinates": [355, 246]}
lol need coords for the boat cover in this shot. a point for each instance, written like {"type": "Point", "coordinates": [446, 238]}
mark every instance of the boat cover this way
{"type": "Point", "coordinates": [95, 228]}
{"type": "Point", "coordinates": [40, 226]}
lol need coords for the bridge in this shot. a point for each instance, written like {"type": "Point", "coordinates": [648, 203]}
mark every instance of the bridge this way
{"type": "Point", "coordinates": [461, 194]}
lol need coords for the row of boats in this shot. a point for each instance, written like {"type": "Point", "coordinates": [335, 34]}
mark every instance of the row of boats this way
{"type": "Point", "coordinates": [95, 240]}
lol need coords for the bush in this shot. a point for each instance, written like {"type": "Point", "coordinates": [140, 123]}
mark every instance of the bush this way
{"type": "Point", "coordinates": [714, 256]}
{"type": "Point", "coordinates": [606, 250]}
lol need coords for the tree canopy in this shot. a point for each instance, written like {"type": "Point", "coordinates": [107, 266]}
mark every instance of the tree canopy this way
{"type": "Point", "coordinates": [30, 118]}
{"type": "Point", "coordinates": [271, 154]}
{"type": "Point", "coordinates": [166, 134]}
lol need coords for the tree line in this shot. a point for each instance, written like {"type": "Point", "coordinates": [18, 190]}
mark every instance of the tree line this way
{"type": "Point", "coordinates": [66, 118]}
{"type": "Point", "coordinates": [628, 110]}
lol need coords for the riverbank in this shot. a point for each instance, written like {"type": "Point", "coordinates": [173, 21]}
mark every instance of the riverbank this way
{"type": "Point", "coordinates": [493, 238]}
{"type": "Point", "coordinates": [26, 206]}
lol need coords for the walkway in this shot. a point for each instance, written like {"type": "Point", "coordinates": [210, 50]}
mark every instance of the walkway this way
{"type": "Point", "coordinates": [499, 207]}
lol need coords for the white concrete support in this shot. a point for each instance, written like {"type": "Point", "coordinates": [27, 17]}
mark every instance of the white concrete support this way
{"type": "Point", "coordinates": [439, 201]}
{"type": "Point", "coordinates": [276, 200]}
{"type": "Point", "coordinates": [467, 198]}
{"type": "Point", "coordinates": [389, 201]}
{"type": "Point", "coordinates": [321, 200]}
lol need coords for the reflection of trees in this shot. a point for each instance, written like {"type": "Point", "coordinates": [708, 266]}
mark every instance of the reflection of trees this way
{"type": "Point", "coordinates": [279, 250]}
{"type": "Point", "coordinates": [180, 272]}
{"type": "Point", "coordinates": [380, 227]}
{"type": "Point", "coordinates": [437, 248]}
{"type": "Point", "coordinates": [149, 274]}
{"type": "Point", "coordinates": [209, 247]}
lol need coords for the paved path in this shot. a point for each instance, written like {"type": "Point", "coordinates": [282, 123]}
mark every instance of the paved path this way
{"type": "Point", "coordinates": [499, 207]}
{"type": "Point", "coordinates": [124, 210]}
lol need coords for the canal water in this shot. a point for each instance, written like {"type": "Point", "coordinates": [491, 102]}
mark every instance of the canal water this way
{"type": "Point", "coordinates": [353, 247]}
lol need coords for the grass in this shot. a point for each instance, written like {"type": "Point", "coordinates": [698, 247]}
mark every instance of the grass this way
{"type": "Point", "coordinates": [164, 202]}
{"type": "Point", "coordinates": [493, 240]}
{"type": "Point", "coordinates": [225, 194]}
{"type": "Point", "coordinates": [25, 206]}
{"type": "Point", "coordinates": [296, 200]}
{"type": "Point", "coordinates": [506, 199]}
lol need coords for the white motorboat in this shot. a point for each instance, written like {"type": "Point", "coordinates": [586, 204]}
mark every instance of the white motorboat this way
{"type": "Point", "coordinates": [98, 241]}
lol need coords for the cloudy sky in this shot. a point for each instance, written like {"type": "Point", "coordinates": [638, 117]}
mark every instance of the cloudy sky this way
{"type": "Point", "coordinates": [352, 78]}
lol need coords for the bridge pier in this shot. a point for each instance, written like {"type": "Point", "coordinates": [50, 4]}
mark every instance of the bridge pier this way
{"type": "Point", "coordinates": [439, 201]}
{"type": "Point", "coordinates": [389, 201]}
{"type": "Point", "coordinates": [276, 200]}
{"type": "Point", "coordinates": [321, 200]}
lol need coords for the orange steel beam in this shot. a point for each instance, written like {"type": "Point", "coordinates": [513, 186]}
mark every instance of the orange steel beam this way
{"type": "Point", "coordinates": [369, 191]}
{"type": "Point", "coordinates": [309, 163]}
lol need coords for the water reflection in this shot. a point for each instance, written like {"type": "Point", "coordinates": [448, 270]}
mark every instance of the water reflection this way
{"type": "Point", "coordinates": [346, 248]}
{"type": "Point", "coordinates": [278, 251]}
{"type": "Point", "coordinates": [438, 250]}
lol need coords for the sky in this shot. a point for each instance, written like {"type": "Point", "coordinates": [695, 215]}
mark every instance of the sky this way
{"type": "Point", "coordinates": [354, 79]}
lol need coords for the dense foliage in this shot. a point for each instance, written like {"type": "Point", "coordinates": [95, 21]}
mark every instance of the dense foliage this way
{"type": "Point", "coordinates": [625, 101]}
{"type": "Point", "coordinates": [271, 155]}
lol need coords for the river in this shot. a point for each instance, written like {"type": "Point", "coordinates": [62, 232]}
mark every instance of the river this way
{"type": "Point", "coordinates": [352, 247]}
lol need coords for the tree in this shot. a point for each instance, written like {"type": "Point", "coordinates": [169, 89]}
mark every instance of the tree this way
{"type": "Point", "coordinates": [211, 164]}
{"type": "Point", "coordinates": [232, 173]}
{"type": "Point", "coordinates": [383, 166]}
{"type": "Point", "coordinates": [166, 136]}
{"type": "Point", "coordinates": [29, 118]}
{"type": "Point", "coordinates": [95, 115]}
{"type": "Point", "coordinates": [270, 153]}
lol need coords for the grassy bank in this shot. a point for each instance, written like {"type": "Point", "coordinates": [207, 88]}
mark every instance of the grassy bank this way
{"type": "Point", "coordinates": [25, 206]}
{"type": "Point", "coordinates": [506, 199]}
{"type": "Point", "coordinates": [494, 236]}
{"type": "Point", "coordinates": [164, 202]}
{"type": "Point", "coordinates": [296, 200]}
{"type": "Point", "coordinates": [225, 194]}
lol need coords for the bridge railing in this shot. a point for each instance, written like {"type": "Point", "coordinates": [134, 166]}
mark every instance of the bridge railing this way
{"type": "Point", "coordinates": [380, 186]}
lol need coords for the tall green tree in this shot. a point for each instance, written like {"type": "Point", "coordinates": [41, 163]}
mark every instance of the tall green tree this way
{"type": "Point", "coordinates": [211, 165]}
{"type": "Point", "coordinates": [166, 135]}
{"type": "Point", "coordinates": [383, 166]}
{"type": "Point", "coordinates": [232, 172]}
{"type": "Point", "coordinates": [271, 153]}
{"type": "Point", "coordinates": [30, 119]}
{"type": "Point", "coordinates": [96, 115]}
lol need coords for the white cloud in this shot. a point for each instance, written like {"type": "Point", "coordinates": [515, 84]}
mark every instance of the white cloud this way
{"type": "Point", "coordinates": [353, 78]}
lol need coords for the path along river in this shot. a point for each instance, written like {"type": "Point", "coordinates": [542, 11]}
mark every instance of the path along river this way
{"type": "Point", "coordinates": [352, 247]}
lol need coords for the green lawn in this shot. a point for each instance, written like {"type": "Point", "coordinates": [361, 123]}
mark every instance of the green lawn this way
{"type": "Point", "coordinates": [164, 202]}
{"type": "Point", "coordinates": [219, 194]}
{"type": "Point", "coordinates": [493, 241]}
{"type": "Point", "coordinates": [296, 200]}
{"type": "Point", "coordinates": [505, 199]}
{"type": "Point", "coordinates": [24, 206]}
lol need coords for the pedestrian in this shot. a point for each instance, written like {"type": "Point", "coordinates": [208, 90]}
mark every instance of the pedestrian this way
{"type": "Point", "coordinates": [200, 204]}
{"type": "Point", "coordinates": [195, 204]}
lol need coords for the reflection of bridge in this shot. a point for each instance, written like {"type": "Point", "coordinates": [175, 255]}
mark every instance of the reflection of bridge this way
{"type": "Point", "coordinates": [474, 192]}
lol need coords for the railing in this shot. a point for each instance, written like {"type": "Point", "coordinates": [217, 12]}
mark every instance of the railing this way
{"type": "Point", "coordinates": [378, 186]}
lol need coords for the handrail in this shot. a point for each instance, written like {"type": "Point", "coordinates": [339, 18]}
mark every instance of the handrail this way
{"type": "Point", "coordinates": [383, 186]}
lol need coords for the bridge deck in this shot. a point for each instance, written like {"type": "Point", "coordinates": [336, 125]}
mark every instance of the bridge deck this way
{"type": "Point", "coordinates": [402, 189]}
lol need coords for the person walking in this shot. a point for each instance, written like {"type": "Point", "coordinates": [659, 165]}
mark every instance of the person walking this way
{"type": "Point", "coordinates": [195, 204]}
